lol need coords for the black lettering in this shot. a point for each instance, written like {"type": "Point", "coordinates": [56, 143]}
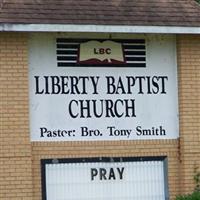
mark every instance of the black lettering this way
{"type": "Point", "coordinates": [109, 108]}
{"type": "Point", "coordinates": [120, 86]}
{"type": "Point", "coordinates": [84, 131]}
{"type": "Point", "coordinates": [163, 79]}
{"type": "Point", "coordinates": [130, 83]}
{"type": "Point", "coordinates": [120, 171]}
{"type": "Point", "coordinates": [37, 86]}
{"type": "Point", "coordinates": [111, 174]}
{"type": "Point", "coordinates": [64, 82]}
{"type": "Point", "coordinates": [72, 110]}
{"type": "Point", "coordinates": [55, 84]}
{"type": "Point", "coordinates": [148, 85]}
{"type": "Point", "coordinates": [102, 172]}
{"type": "Point", "coordinates": [95, 51]}
{"type": "Point", "coordinates": [97, 115]}
{"type": "Point", "coordinates": [139, 130]}
{"type": "Point", "coordinates": [85, 108]}
{"type": "Point", "coordinates": [140, 78]}
{"type": "Point", "coordinates": [117, 109]}
{"type": "Point", "coordinates": [155, 90]}
{"type": "Point", "coordinates": [42, 131]}
{"type": "Point", "coordinates": [162, 131]}
{"type": "Point", "coordinates": [108, 51]}
{"type": "Point", "coordinates": [46, 85]}
{"type": "Point", "coordinates": [110, 85]}
{"type": "Point", "coordinates": [74, 85]}
{"type": "Point", "coordinates": [83, 78]}
{"type": "Point", "coordinates": [94, 83]}
{"type": "Point", "coordinates": [130, 108]}
{"type": "Point", "coordinates": [94, 173]}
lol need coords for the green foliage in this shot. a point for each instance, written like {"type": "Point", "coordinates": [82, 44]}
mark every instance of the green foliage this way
{"type": "Point", "coordinates": [197, 181]}
{"type": "Point", "coordinates": [194, 196]}
{"type": "Point", "coordinates": [198, 1]}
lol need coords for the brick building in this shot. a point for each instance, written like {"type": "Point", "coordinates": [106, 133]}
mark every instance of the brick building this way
{"type": "Point", "coordinates": [52, 93]}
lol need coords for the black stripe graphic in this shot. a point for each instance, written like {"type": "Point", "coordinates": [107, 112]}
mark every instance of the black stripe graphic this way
{"type": "Point", "coordinates": [68, 49]}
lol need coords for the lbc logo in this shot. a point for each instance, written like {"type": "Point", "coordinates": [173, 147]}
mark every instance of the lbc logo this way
{"type": "Point", "coordinates": [102, 51]}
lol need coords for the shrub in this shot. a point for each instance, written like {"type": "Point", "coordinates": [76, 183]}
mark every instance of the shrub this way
{"type": "Point", "coordinates": [197, 180]}
{"type": "Point", "coordinates": [194, 196]}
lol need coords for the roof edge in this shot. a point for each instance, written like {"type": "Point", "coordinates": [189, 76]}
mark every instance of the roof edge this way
{"type": "Point", "coordinates": [97, 28]}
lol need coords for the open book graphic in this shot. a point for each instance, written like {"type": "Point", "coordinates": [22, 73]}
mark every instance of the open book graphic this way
{"type": "Point", "coordinates": [95, 52]}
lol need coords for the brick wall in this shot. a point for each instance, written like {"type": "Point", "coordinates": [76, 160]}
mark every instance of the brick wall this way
{"type": "Point", "coordinates": [15, 148]}
{"type": "Point", "coordinates": [20, 176]}
{"type": "Point", "coordinates": [189, 107]}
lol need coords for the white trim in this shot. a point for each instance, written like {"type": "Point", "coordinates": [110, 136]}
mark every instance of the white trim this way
{"type": "Point", "coordinates": [98, 28]}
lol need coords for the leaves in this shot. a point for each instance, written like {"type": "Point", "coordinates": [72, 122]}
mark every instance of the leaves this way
{"type": "Point", "coordinates": [193, 196]}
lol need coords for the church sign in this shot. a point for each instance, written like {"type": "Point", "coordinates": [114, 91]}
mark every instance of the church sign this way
{"type": "Point", "coordinates": [92, 89]}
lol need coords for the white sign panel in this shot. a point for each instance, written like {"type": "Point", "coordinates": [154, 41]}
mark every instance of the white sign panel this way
{"type": "Point", "coordinates": [120, 180]}
{"type": "Point", "coordinates": [113, 102]}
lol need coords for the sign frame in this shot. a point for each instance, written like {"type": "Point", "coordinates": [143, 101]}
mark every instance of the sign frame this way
{"type": "Point", "coordinates": [45, 162]}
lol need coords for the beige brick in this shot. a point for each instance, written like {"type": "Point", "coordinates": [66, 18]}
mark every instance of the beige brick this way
{"type": "Point", "coordinates": [15, 146]}
{"type": "Point", "coordinates": [188, 50]}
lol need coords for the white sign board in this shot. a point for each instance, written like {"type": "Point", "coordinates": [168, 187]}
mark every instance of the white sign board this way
{"type": "Point", "coordinates": [120, 180]}
{"type": "Point", "coordinates": [103, 103]}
